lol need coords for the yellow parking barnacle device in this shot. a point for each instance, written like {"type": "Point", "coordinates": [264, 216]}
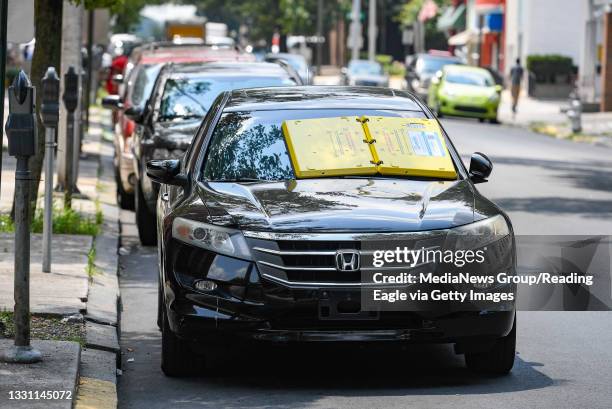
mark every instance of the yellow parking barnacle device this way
{"type": "Point", "coordinates": [409, 146]}
{"type": "Point", "coordinates": [348, 145]}
{"type": "Point", "coordinates": [328, 147]}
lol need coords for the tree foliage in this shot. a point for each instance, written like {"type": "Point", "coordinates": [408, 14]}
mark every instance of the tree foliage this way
{"type": "Point", "coordinates": [410, 11]}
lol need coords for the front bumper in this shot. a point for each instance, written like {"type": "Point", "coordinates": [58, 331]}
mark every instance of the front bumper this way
{"type": "Point", "coordinates": [468, 109]}
{"type": "Point", "coordinates": [207, 319]}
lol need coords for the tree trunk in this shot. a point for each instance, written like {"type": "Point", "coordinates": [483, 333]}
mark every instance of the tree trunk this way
{"type": "Point", "coordinates": [47, 52]}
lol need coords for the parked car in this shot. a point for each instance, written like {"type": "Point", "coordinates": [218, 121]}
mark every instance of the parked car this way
{"type": "Point", "coordinates": [423, 67]}
{"type": "Point", "coordinates": [249, 252]}
{"type": "Point", "coordinates": [465, 91]}
{"type": "Point", "coordinates": [181, 97]}
{"type": "Point", "coordinates": [137, 83]}
{"type": "Point", "coordinates": [297, 62]}
{"type": "Point", "coordinates": [365, 73]}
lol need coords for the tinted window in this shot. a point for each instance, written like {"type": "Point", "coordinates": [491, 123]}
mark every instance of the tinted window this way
{"type": "Point", "coordinates": [186, 97]}
{"type": "Point", "coordinates": [481, 79]}
{"type": "Point", "coordinates": [432, 65]}
{"type": "Point", "coordinates": [143, 84]}
{"type": "Point", "coordinates": [251, 145]}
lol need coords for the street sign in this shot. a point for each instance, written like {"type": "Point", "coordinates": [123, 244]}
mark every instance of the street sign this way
{"type": "Point", "coordinates": [20, 24]}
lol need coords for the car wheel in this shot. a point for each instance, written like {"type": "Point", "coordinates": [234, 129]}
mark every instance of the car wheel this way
{"type": "Point", "coordinates": [125, 200]}
{"type": "Point", "coordinates": [481, 120]}
{"type": "Point", "coordinates": [439, 113]}
{"type": "Point", "coordinates": [177, 358]}
{"type": "Point", "coordinates": [145, 220]}
{"type": "Point", "coordinates": [493, 121]}
{"type": "Point", "coordinates": [498, 360]}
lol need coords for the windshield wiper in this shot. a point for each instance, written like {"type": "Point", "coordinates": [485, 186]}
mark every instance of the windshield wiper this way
{"type": "Point", "coordinates": [242, 180]}
{"type": "Point", "coordinates": [163, 118]}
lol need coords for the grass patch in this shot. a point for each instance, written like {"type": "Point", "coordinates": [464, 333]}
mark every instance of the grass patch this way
{"type": "Point", "coordinates": [91, 268]}
{"type": "Point", "coordinates": [65, 221]}
{"type": "Point", "coordinates": [44, 327]}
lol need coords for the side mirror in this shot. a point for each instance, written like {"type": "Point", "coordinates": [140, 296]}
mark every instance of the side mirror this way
{"type": "Point", "coordinates": [498, 88]}
{"type": "Point", "coordinates": [344, 70]}
{"type": "Point", "coordinates": [166, 171]}
{"type": "Point", "coordinates": [480, 167]}
{"type": "Point", "coordinates": [134, 113]}
{"type": "Point", "coordinates": [117, 79]}
{"type": "Point", "coordinates": [112, 102]}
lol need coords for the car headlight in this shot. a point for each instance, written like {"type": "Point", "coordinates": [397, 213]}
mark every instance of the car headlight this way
{"type": "Point", "coordinates": [479, 234]}
{"type": "Point", "coordinates": [494, 97]}
{"type": "Point", "coordinates": [219, 239]}
{"type": "Point", "coordinates": [449, 94]}
{"type": "Point", "coordinates": [415, 84]}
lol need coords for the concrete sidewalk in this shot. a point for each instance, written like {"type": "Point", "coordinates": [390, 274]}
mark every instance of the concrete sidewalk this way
{"type": "Point", "coordinates": [83, 283]}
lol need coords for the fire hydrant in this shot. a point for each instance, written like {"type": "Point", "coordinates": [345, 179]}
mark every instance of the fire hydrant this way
{"type": "Point", "coordinates": [574, 112]}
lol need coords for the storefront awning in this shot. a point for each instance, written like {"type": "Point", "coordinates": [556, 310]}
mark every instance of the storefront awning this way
{"type": "Point", "coordinates": [453, 18]}
{"type": "Point", "coordinates": [463, 38]}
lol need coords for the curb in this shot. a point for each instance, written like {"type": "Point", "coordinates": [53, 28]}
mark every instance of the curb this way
{"type": "Point", "coordinates": [102, 354]}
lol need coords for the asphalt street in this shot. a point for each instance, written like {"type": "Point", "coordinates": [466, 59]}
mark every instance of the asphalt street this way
{"type": "Point", "coordinates": [547, 186]}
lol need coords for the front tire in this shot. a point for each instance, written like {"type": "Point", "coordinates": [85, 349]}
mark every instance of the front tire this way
{"type": "Point", "coordinates": [177, 358]}
{"type": "Point", "coordinates": [125, 200]}
{"type": "Point", "coordinates": [145, 220]}
{"type": "Point", "coordinates": [498, 360]}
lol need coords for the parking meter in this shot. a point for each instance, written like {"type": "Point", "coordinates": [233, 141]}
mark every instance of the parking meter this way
{"type": "Point", "coordinates": [71, 90]}
{"type": "Point", "coordinates": [49, 108]}
{"type": "Point", "coordinates": [21, 131]}
{"type": "Point", "coordinates": [71, 101]}
{"type": "Point", "coordinates": [49, 115]}
{"type": "Point", "coordinates": [21, 123]}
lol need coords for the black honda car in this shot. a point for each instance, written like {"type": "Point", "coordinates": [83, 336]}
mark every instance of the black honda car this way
{"type": "Point", "coordinates": [181, 96]}
{"type": "Point", "coordinates": [248, 252]}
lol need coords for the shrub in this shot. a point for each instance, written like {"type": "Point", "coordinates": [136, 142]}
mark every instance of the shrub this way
{"type": "Point", "coordinates": [547, 68]}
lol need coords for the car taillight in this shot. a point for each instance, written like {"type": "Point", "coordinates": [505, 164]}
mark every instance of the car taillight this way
{"type": "Point", "coordinates": [128, 128]}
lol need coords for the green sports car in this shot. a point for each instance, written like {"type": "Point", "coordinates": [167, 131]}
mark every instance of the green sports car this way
{"type": "Point", "coordinates": [465, 91]}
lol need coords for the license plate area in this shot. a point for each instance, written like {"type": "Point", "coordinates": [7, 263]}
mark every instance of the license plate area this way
{"type": "Point", "coordinates": [343, 305]}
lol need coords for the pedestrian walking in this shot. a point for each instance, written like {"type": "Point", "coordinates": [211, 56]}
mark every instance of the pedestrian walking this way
{"type": "Point", "coordinates": [516, 76]}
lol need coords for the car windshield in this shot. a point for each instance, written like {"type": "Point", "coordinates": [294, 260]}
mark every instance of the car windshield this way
{"type": "Point", "coordinates": [250, 146]}
{"type": "Point", "coordinates": [365, 68]}
{"type": "Point", "coordinates": [431, 65]}
{"type": "Point", "coordinates": [480, 79]}
{"type": "Point", "coordinates": [191, 97]}
{"type": "Point", "coordinates": [144, 82]}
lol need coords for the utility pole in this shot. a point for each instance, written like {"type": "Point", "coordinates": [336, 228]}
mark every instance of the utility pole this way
{"type": "Point", "coordinates": [3, 47]}
{"type": "Point", "coordinates": [21, 130]}
{"type": "Point", "coordinates": [49, 113]}
{"type": "Point", "coordinates": [319, 35]}
{"type": "Point", "coordinates": [372, 30]}
{"type": "Point", "coordinates": [356, 30]}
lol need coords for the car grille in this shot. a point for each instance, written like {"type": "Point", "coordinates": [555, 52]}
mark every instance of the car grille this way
{"type": "Point", "coordinates": [466, 108]}
{"type": "Point", "coordinates": [305, 261]}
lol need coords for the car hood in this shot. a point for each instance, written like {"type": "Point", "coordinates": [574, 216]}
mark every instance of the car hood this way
{"type": "Point", "coordinates": [175, 134]}
{"type": "Point", "coordinates": [340, 205]}
{"type": "Point", "coordinates": [468, 90]}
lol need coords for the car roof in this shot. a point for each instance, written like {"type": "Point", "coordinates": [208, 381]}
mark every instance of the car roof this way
{"type": "Point", "coordinates": [320, 97]}
{"type": "Point", "coordinates": [247, 69]}
{"type": "Point", "coordinates": [191, 53]}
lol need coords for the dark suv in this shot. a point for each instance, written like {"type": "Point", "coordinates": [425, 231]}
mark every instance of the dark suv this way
{"type": "Point", "coordinates": [181, 96]}
{"type": "Point", "coordinates": [250, 252]}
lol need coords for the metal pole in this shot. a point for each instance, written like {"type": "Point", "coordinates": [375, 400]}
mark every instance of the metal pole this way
{"type": "Point", "coordinates": [21, 130]}
{"type": "Point", "coordinates": [3, 47]}
{"type": "Point", "coordinates": [68, 189]}
{"type": "Point", "coordinates": [319, 35]}
{"type": "Point", "coordinates": [90, 35]}
{"type": "Point", "coordinates": [372, 30]}
{"type": "Point", "coordinates": [356, 30]}
{"type": "Point", "coordinates": [48, 216]}
{"type": "Point", "coordinates": [49, 113]}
